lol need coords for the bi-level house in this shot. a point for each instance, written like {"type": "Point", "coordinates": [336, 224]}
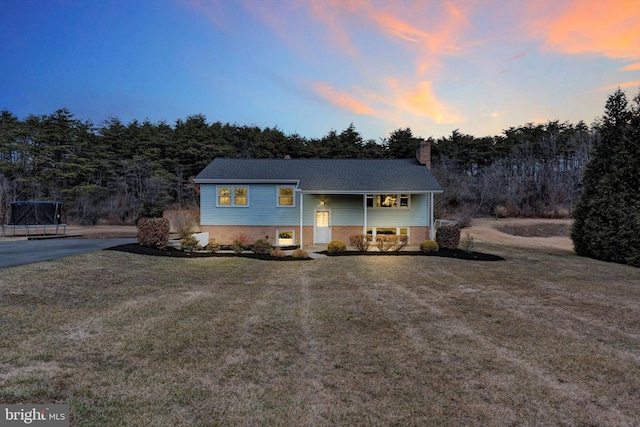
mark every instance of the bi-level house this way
{"type": "Point", "coordinates": [313, 201]}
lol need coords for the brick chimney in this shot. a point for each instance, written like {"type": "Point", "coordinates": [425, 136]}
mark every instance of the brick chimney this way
{"type": "Point", "coordinates": [423, 154]}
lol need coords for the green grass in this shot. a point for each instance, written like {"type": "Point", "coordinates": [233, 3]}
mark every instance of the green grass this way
{"type": "Point", "coordinates": [543, 338]}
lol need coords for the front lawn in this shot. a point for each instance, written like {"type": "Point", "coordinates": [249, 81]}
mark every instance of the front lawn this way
{"type": "Point", "coordinates": [543, 338]}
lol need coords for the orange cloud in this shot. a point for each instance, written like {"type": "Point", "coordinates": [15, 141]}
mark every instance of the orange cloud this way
{"type": "Point", "coordinates": [432, 29]}
{"type": "Point", "coordinates": [609, 28]}
{"type": "Point", "coordinates": [399, 105]}
{"type": "Point", "coordinates": [624, 85]}
{"type": "Point", "coordinates": [342, 100]}
{"type": "Point", "coordinates": [422, 102]}
{"type": "Point", "coordinates": [632, 67]}
{"type": "Point", "coordinates": [396, 27]}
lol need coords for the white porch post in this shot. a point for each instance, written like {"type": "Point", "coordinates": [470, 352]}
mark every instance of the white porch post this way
{"type": "Point", "coordinates": [364, 207]}
{"type": "Point", "coordinates": [301, 222]}
{"type": "Point", "coordinates": [432, 232]}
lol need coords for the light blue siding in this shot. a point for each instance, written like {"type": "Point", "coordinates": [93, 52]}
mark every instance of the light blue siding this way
{"type": "Point", "coordinates": [346, 210]}
{"type": "Point", "coordinates": [262, 209]}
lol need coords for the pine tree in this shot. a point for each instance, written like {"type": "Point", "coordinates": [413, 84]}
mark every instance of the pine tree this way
{"type": "Point", "coordinates": [607, 215]}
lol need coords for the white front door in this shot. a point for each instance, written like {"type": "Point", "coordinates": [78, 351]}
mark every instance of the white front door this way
{"type": "Point", "coordinates": [323, 227]}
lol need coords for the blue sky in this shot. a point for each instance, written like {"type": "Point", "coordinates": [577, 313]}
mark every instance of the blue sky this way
{"type": "Point", "coordinates": [306, 67]}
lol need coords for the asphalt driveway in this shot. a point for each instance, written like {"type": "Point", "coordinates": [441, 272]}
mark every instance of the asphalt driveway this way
{"type": "Point", "coordinates": [20, 252]}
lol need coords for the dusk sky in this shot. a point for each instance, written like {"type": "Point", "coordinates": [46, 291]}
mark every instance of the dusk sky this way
{"type": "Point", "coordinates": [307, 67]}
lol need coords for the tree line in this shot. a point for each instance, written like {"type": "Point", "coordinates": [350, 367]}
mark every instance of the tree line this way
{"type": "Point", "coordinates": [111, 171]}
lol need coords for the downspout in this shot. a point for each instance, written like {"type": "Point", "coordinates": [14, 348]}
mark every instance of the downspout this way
{"type": "Point", "coordinates": [301, 222]}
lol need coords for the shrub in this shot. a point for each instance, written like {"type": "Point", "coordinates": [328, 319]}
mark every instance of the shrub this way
{"type": "Point", "coordinates": [390, 242]}
{"type": "Point", "coordinates": [237, 246]}
{"type": "Point", "coordinates": [278, 253]}
{"type": "Point", "coordinates": [336, 246]}
{"type": "Point", "coordinates": [190, 244]}
{"type": "Point", "coordinates": [384, 242]}
{"type": "Point", "coordinates": [244, 240]}
{"type": "Point", "coordinates": [360, 241]}
{"type": "Point", "coordinates": [262, 247]}
{"type": "Point", "coordinates": [401, 242]}
{"type": "Point", "coordinates": [502, 212]}
{"type": "Point", "coordinates": [467, 243]}
{"type": "Point", "coordinates": [183, 222]}
{"type": "Point", "coordinates": [241, 243]}
{"type": "Point", "coordinates": [429, 246]}
{"type": "Point", "coordinates": [150, 210]}
{"type": "Point", "coordinates": [153, 232]}
{"type": "Point", "coordinates": [448, 236]}
{"type": "Point", "coordinates": [300, 253]}
{"type": "Point", "coordinates": [212, 247]}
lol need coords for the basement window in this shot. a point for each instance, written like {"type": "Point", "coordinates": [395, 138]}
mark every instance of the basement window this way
{"type": "Point", "coordinates": [285, 237]}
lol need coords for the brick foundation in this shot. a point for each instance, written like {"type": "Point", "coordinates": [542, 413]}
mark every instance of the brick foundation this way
{"type": "Point", "coordinates": [226, 234]}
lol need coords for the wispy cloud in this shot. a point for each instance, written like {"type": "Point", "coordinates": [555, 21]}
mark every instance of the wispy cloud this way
{"type": "Point", "coordinates": [412, 63]}
{"type": "Point", "coordinates": [632, 67]}
{"type": "Point", "coordinates": [342, 100]}
{"type": "Point", "coordinates": [426, 32]}
{"type": "Point", "coordinates": [422, 102]}
{"type": "Point", "coordinates": [494, 114]}
{"type": "Point", "coordinates": [396, 105]}
{"type": "Point", "coordinates": [622, 85]}
{"type": "Point", "coordinates": [608, 28]}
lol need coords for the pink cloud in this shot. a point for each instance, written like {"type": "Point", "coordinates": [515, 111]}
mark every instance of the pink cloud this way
{"type": "Point", "coordinates": [342, 100]}
{"type": "Point", "coordinates": [608, 28]}
{"type": "Point", "coordinates": [632, 67]}
{"type": "Point", "coordinates": [422, 102]}
{"type": "Point", "coordinates": [622, 85]}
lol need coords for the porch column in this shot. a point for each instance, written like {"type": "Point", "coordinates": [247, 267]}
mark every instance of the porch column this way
{"type": "Point", "coordinates": [432, 232]}
{"type": "Point", "coordinates": [364, 207]}
{"type": "Point", "coordinates": [301, 222]}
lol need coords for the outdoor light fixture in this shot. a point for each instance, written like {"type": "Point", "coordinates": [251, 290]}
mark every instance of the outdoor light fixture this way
{"type": "Point", "coordinates": [321, 202]}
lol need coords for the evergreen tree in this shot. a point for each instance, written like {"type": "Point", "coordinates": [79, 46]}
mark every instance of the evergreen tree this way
{"type": "Point", "coordinates": [402, 144]}
{"type": "Point", "coordinates": [607, 215]}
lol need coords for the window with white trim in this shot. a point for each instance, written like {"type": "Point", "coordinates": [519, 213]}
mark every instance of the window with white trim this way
{"type": "Point", "coordinates": [286, 197]}
{"type": "Point", "coordinates": [386, 201]}
{"type": "Point", "coordinates": [389, 231]}
{"type": "Point", "coordinates": [232, 196]}
{"type": "Point", "coordinates": [285, 237]}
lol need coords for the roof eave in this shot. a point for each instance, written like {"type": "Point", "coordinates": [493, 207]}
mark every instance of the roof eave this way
{"type": "Point", "coordinates": [368, 191]}
{"type": "Point", "coordinates": [245, 181]}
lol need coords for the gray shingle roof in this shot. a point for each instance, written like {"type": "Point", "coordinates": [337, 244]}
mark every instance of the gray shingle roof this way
{"type": "Point", "coordinates": [326, 175]}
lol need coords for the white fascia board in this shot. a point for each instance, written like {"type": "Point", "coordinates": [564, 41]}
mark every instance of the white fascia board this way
{"type": "Point", "coordinates": [246, 181]}
{"type": "Point", "coordinates": [361, 192]}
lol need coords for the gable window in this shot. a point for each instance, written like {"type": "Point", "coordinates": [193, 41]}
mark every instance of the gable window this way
{"type": "Point", "coordinates": [286, 197]}
{"type": "Point", "coordinates": [233, 196]}
{"type": "Point", "coordinates": [386, 201]}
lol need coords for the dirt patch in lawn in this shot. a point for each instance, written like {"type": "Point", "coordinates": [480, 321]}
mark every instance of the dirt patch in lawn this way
{"type": "Point", "coordinates": [523, 232]}
{"type": "Point", "coordinates": [537, 230]}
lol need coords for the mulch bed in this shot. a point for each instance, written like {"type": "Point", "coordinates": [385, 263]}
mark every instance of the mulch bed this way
{"type": "Point", "coordinates": [445, 253]}
{"type": "Point", "coordinates": [135, 248]}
